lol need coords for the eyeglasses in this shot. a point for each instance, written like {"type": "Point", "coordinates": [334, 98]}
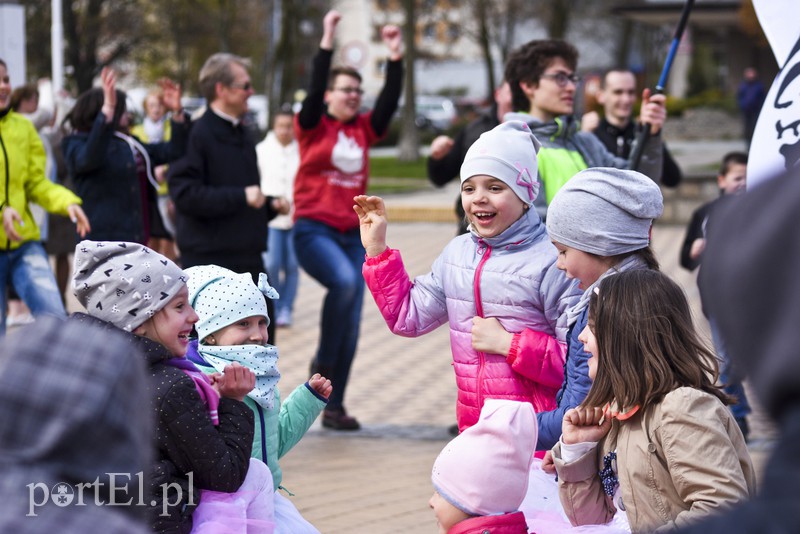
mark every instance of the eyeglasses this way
{"type": "Point", "coordinates": [246, 86]}
{"type": "Point", "coordinates": [350, 90]}
{"type": "Point", "coordinates": [562, 78]}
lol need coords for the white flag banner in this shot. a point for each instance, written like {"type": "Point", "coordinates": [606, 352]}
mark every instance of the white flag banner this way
{"type": "Point", "coordinates": [775, 146]}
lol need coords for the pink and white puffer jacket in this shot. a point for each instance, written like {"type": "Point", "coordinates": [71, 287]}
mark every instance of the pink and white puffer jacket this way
{"type": "Point", "coordinates": [512, 277]}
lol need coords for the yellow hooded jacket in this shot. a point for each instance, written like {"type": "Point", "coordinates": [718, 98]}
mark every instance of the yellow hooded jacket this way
{"type": "Point", "coordinates": [22, 178]}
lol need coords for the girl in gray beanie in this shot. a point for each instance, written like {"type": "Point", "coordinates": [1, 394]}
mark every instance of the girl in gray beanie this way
{"type": "Point", "coordinates": [497, 286]}
{"type": "Point", "coordinates": [600, 223]}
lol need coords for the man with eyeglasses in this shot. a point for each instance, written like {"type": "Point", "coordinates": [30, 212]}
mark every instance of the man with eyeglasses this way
{"type": "Point", "coordinates": [543, 83]}
{"type": "Point", "coordinates": [221, 213]}
{"type": "Point", "coordinates": [334, 167]}
{"type": "Point", "coordinates": [617, 129]}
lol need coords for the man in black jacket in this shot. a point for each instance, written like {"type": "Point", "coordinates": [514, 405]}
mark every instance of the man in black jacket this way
{"type": "Point", "coordinates": [447, 154]}
{"type": "Point", "coordinates": [616, 129]}
{"type": "Point", "coordinates": [221, 213]}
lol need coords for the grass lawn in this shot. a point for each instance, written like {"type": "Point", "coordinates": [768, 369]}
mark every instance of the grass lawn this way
{"type": "Point", "coordinates": [388, 175]}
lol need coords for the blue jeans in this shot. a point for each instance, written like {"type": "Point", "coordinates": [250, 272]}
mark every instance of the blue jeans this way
{"type": "Point", "coordinates": [334, 259]}
{"type": "Point", "coordinates": [281, 262]}
{"type": "Point", "coordinates": [731, 381]}
{"type": "Point", "coordinates": [29, 271]}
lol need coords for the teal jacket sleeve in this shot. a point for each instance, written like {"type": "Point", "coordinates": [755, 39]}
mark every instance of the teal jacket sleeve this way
{"type": "Point", "coordinates": [298, 413]}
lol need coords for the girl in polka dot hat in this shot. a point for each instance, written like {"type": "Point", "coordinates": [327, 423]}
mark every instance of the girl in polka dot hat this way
{"type": "Point", "coordinates": [232, 327]}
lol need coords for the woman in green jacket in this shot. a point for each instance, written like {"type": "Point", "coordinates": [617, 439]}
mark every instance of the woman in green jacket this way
{"type": "Point", "coordinates": [23, 260]}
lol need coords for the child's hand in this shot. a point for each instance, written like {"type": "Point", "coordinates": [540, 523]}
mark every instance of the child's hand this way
{"type": "Point", "coordinates": [235, 382]}
{"type": "Point", "coordinates": [488, 335]}
{"type": "Point", "coordinates": [698, 246]}
{"type": "Point", "coordinates": [583, 424]}
{"type": "Point", "coordinates": [372, 218]}
{"type": "Point", "coordinates": [321, 385]}
{"type": "Point", "coordinates": [548, 466]}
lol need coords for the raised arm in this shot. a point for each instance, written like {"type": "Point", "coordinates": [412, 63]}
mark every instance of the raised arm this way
{"type": "Point", "coordinates": [409, 309]}
{"type": "Point", "coordinates": [388, 100]}
{"type": "Point", "coordinates": [314, 102]}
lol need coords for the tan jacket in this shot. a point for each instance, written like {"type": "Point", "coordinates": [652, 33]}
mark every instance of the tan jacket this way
{"type": "Point", "coordinates": [682, 460]}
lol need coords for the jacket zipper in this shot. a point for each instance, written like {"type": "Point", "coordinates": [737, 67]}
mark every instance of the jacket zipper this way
{"type": "Point", "coordinates": [8, 179]}
{"type": "Point", "coordinates": [263, 432]}
{"type": "Point", "coordinates": [476, 286]}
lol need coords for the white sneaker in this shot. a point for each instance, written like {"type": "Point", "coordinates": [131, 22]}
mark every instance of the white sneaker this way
{"type": "Point", "coordinates": [19, 320]}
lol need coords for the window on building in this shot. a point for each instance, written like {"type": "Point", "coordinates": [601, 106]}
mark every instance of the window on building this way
{"type": "Point", "coordinates": [429, 31]}
{"type": "Point", "coordinates": [453, 32]}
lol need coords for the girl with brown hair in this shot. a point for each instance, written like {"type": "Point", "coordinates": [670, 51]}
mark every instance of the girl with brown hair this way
{"type": "Point", "coordinates": [653, 439]}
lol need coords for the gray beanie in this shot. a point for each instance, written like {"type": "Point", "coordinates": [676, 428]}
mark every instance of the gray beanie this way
{"type": "Point", "coordinates": [222, 297]}
{"type": "Point", "coordinates": [605, 211]}
{"type": "Point", "coordinates": [506, 152]}
{"type": "Point", "coordinates": [123, 283]}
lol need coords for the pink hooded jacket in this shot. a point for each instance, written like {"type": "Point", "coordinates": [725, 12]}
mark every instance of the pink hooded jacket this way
{"type": "Point", "coordinates": [512, 277]}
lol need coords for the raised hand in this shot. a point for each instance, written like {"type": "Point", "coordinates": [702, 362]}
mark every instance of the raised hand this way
{"type": "Point", "coordinates": [329, 24]}
{"type": "Point", "coordinates": [654, 111]}
{"type": "Point", "coordinates": [371, 213]}
{"type": "Point", "coordinates": [488, 335]}
{"type": "Point", "coordinates": [584, 424]}
{"type": "Point", "coordinates": [109, 80]}
{"type": "Point", "coordinates": [393, 38]}
{"type": "Point", "coordinates": [321, 385]}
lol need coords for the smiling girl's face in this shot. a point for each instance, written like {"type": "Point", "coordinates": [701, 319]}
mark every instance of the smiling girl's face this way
{"type": "Point", "coordinates": [491, 206]}
{"type": "Point", "coordinates": [248, 331]}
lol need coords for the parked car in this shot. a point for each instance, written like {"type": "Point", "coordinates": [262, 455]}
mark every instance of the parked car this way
{"type": "Point", "coordinates": [435, 112]}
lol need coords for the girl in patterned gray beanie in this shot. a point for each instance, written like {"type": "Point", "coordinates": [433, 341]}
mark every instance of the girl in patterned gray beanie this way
{"type": "Point", "coordinates": [126, 284]}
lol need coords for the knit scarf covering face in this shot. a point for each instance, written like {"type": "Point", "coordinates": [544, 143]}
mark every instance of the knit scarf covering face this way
{"type": "Point", "coordinates": [261, 359]}
{"type": "Point", "coordinates": [628, 264]}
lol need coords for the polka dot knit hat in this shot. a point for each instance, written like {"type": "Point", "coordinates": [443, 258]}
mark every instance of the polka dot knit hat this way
{"type": "Point", "coordinates": [221, 297]}
{"type": "Point", "coordinates": [123, 283]}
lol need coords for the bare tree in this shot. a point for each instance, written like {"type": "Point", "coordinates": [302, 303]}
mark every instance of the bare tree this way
{"type": "Point", "coordinates": [409, 135]}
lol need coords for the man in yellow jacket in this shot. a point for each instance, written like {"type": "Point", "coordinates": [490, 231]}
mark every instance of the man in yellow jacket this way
{"type": "Point", "coordinates": [23, 259]}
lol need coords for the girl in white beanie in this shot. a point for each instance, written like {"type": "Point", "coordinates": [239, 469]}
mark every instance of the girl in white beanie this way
{"type": "Point", "coordinates": [498, 286]}
{"type": "Point", "coordinates": [232, 328]}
